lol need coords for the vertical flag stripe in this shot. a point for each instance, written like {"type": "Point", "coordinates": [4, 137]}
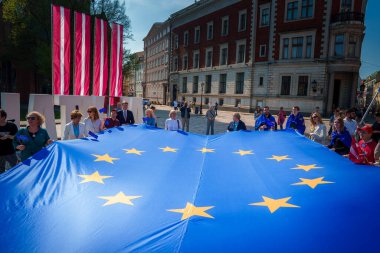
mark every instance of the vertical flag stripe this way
{"type": "Point", "coordinates": [61, 50]}
{"type": "Point", "coordinates": [83, 54]}
{"type": "Point", "coordinates": [116, 61]}
{"type": "Point", "coordinates": [100, 58]}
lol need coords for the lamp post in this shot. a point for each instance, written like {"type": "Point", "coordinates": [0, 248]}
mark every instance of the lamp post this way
{"type": "Point", "coordinates": [202, 85]}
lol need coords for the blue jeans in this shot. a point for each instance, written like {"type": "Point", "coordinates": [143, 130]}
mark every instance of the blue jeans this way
{"type": "Point", "coordinates": [11, 159]}
{"type": "Point", "coordinates": [210, 125]}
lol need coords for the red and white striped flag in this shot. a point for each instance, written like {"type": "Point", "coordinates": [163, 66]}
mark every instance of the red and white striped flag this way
{"type": "Point", "coordinates": [100, 58]}
{"type": "Point", "coordinates": [82, 54]}
{"type": "Point", "coordinates": [116, 61]}
{"type": "Point", "coordinates": [61, 50]}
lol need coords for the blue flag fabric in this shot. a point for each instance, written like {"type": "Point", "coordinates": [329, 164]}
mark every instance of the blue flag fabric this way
{"type": "Point", "coordinates": [141, 189]}
{"type": "Point", "coordinates": [263, 120]}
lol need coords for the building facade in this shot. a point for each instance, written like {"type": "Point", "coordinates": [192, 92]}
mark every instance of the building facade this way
{"type": "Point", "coordinates": [156, 50]}
{"type": "Point", "coordinates": [134, 83]}
{"type": "Point", "coordinates": [268, 52]}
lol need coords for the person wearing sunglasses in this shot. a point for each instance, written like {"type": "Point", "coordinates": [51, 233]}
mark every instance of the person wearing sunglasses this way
{"type": "Point", "coordinates": [92, 122]}
{"type": "Point", "coordinates": [317, 129]}
{"type": "Point", "coordinates": [33, 138]}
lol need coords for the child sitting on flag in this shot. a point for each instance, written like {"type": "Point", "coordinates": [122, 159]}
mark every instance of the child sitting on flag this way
{"type": "Point", "coordinates": [363, 152]}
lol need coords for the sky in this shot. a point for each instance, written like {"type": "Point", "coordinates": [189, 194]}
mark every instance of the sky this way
{"type": "Point", "coordinates": [144, 13]}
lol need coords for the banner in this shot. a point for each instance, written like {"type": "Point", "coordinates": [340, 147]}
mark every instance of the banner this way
{"type": "Point", "coordinates": [82, 54]}
{"type": "Point", "coordinates": [61, 50]}
{"type": "Point", "coordinates": [100, 58]}
{"type": "Point", "coordinates": [116, 61]}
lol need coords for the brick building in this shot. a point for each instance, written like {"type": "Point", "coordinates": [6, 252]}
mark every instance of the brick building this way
{"type": "Point", "coordinates": [268, 52]}
{"type": "Point", "coordinates": [156, 49]}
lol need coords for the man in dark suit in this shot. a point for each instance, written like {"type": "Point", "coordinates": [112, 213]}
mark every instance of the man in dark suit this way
{"type": "Point", "coordinates": [125, 116]}
{"type": "Point", "coordinates": [236, 124]}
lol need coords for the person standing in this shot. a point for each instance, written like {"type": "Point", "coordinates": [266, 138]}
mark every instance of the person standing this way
{"type": "Point", "coordinates": [185, 116]}
{"type": "Point", "coordinates": [236, 124]}
{"type": "Point", "coordinates": [317, 129]}
{"type": "Point", "coordinates": [92, 122]}
{"type": "Point", "coordinates": [281, 116]}
{"type": "Point", "coordinates": [335, 115]}
{"type": "Point", "coordinates": [350, 122]}
{"type": "Point", "coordinates": [119, 107]}
{"type": "Point", "coordinates": [257, 113]}
{"type": "Point", "coordinates": [266, 121]}
{"type": "Point", "coordinates": [7, 133]}
{"type": "Point", "coordinates": [125, 116]}
{"type": "Point", "coordinates": [296, 121]}
{"type": "Point", "coordinates": [210, 116]}
{"type": "Point", "coordinates": [172, 123]}
{"type": "Point", "coordinates": [33, 138]}
{"type": "Point", "coordinates": [75, 129]}
{"type": "Point", "coordinates": [111, 121]}
{"type": "Point", "coordinates": [216, 108]}
{"type": "Point", "coordinates": [376, 128]}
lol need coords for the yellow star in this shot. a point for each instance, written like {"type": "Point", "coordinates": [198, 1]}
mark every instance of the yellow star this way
{"type": "Point", "coordinates": [119, 198]}
{"type": "Point", "coordinates": [244, 152]}
{"type": "Point", "coordinates": [206, 150]}
{"type": "Point", "coordinates": [191, 210]}
{"type": "Point", "coordinates": [94, 177]}
{"type": "Point", "coordinates": [105, 158]}
{"type": "Point", "coordinates": [274, 204]}
{"type": "Point", "coordinates": [279, 158]}
{"type": "Point", "coordinates": [306, 167]}
{"type": "Point", "coordinates": [169, 149]}
{"type": "Point", "coordinates": [312, 182]}
{"type": "Point", "coordinates": [133, 151]}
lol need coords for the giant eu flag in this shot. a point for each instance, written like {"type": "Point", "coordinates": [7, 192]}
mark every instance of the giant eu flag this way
{"type": "Point", "coordinates": [138, 189]}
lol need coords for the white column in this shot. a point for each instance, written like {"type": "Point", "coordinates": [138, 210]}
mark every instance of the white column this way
{"type": "Point", "coordinates": [43, 104]}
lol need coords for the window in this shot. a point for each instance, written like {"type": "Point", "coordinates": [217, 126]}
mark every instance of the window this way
{"type": "Point", "coordinates": [307, 9]}
{"type": "Point", "coordinates": [240, 53]}
{"type": "Point", "coordinates": [175, 64]}
{"type": "Point", "coordinates": [221, 101]}
{"type": "Point", "coordinates": [302, 85]}
{"type": "Point", "coordinates": [339, 45]}
{"type": "Point", "coordinates": [186, 38]}
{"type": "Point", "coordinates": [264, 14]}
{"type": "Point", "coordinates": [263, 50]}
{"type": "Point", "coordinates": [185, 62]}
{"type": "Point", "coordinates": [196, 60]}
{"type": "Point", "coordinates": [184, 84]}
{"type": "Point", "coordinates": [208, 84]}
{"type": "Point", "coordinates": [225, 24]}
{"type": "Point", "coordinates": [237, 102]}
{"type": "Point", "coordinates": [222, 83]}
{"type": "Point", "coordinates": [176, 41]}
{"type": "Point", "coordinates": [352, 47]}
{"type": "Point", "coordinates": [210, 30]}
{"type": "Point", "coordinates": [223, 55]}
{"type": "Point", "coordinates": [195, 84]}
{"type": "Point", "coordinates": [242, 20]}
{"type": "Point", "coordinates": [285, 85]}
{"type": "Point", "coordinates": [297, 47]}
{"type": "Point", "coordinates": [207, 101]}
{"type": "Point", "coordinates": [309, 44]}
{"type": "Point", "coordinates": [292, 11]}
{"type": "Point", "coordinates": [261, 82]}
{"type": "Point", "coordinates": [197, 32]}
{"type": "Point", "coordinates": [194, 99]}
{"type": "Point", "coordinates": [285, 48]}
{"type": "Point", "coordinates": [345, 5]}
{"type": "Point", "coordinates": [239, 83]}
{"type": "Point", "coordinates": [209, 57]}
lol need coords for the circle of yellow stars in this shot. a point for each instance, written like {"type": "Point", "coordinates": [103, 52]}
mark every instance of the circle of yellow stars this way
{"type": "Point", "coordinates": [190, 209]}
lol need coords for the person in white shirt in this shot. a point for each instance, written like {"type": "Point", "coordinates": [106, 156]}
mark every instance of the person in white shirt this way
{"type": "Point", "coordinates": [350, 122]}
{"type": "Point", "coordinates": [75, 129]}
{"type": "Point", "coordinates": [92, 122]}
{"type": "Point", "coordinates": [172, 123]}
{"type": "Point", "coordinates": [317, 129]}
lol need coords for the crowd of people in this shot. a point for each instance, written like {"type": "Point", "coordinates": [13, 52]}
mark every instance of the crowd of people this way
{"type": "Point", "coordinates": [345, 136]}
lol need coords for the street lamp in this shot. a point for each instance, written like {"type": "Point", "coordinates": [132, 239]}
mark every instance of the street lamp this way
{"type": "Point", "coordinates": [202, 85]}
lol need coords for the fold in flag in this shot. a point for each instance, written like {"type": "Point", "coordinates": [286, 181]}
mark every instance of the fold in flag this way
{"type": "Point", "coordinates": [100, 58]}
{"type": "Point", "coordinates": [139, 189]}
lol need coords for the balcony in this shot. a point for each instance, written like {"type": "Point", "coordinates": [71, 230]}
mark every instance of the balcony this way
{"type": "Point", "coordinates": [348, 17]}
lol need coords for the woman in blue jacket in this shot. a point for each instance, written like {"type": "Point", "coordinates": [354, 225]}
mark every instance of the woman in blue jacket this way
{"type": "Point", "coordinates": [341, 138]}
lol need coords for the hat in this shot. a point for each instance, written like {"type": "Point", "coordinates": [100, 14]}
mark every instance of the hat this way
{"type": "Point", "coordinates": [366, 128]}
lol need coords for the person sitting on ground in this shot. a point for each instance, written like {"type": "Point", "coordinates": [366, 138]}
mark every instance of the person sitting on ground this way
{"type": "Point", "coordinates": [296, 121]}
{"type": "Point", "coordinates": [350, 122]}
{"type": "Point", "coordinates": [317, 129]}
{"type": "Point", "coordinates": [172, 123]}
{"type": "Point", "coordinates": [236, 124]}
{"type": "Point", "coordinates": [7, 133]}
{"type": "Point", "coordinates": [341, 138]}
{"type": "Point", "coordinates": [125, 116]}
{"type": "Point", "coordinates": [281, 116]}
{"type": "Point", "coordinates": [266, 121]}
{"type": "Point", "coordinates": [363, 152]}
{"type": "Point", "coordinates": [33, 138]}
{"type": "Point", "coordinates": [92, 122]}
{"type": "Point", "coordinates": [149, 119]}
{"type": "Point", "coordinates": [112, 121]}
{"type": "Point", "coordinates": [75, 129]}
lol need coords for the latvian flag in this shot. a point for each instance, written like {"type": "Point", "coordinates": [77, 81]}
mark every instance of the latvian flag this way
{"type": "Point", "coordinates": [82, 54]}
{"type": "Point", "coordinates": [61, 50]}
{"type": "Point", "coordinates": [116, 61]}
{"type": "Point", "coordinates": [100, 58]}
